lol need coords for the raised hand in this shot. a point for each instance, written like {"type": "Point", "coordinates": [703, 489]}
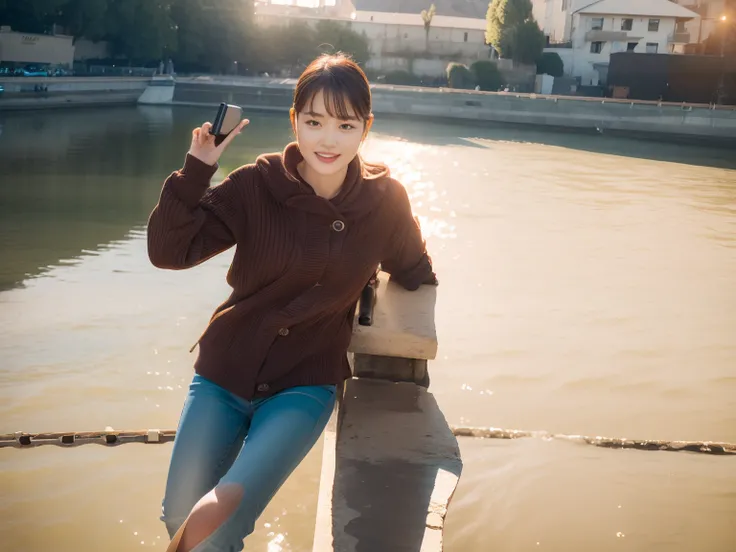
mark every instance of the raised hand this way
{"type": "Point", "coordinates": [203, 143]}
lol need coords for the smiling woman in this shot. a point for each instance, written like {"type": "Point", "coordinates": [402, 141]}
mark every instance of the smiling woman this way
{"type": "Point", "coordinates": [331, 117]}
{"type": "Point", "coordinates": [311, 226]}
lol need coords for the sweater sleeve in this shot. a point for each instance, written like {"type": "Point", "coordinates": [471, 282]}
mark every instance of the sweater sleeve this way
{"type": "Point", "coordinates": [407, 260]}
{"type": "Point", "coordinates": [192, 222]}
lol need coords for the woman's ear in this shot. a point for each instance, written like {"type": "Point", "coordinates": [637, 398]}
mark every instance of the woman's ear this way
{"type": "Point", "coordinates": [368, 125]}
{"type": "Point", "coordinates": [292, 117]}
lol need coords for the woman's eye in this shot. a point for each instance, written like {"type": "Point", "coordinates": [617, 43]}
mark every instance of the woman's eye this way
{"type": "Point", "coordinates": [347, 126]}
{"type": "Point", "coordinates": [312, 123]}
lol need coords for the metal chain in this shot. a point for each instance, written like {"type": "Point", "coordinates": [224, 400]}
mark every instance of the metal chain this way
{"type": "Point", "coordinates": [110, 437]}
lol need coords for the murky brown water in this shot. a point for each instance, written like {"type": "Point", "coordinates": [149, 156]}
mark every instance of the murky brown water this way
{"type": "Point", "coordinates": [587, 287]}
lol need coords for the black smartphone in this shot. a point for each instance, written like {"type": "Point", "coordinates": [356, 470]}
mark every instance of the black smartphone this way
{"type": "Point", "coordinates": [228, 117]}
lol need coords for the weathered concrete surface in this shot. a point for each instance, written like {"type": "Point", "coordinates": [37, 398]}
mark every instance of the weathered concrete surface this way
{"type": "Point", "coordinates": [76, 99]}
{"type": "Point", "coordinates": [592, 114]}
{"type": "Point", "coordinates": [390, 468]}
{"type": "Point", "coordinates": [643, 119]}
{"type": "Point", "coordinates": [70, 91]}
{"type": "Point", "coordinates": [159, 92]}
{"type": "Point", "coordinates": [403, 323]}
{"type": "Point", "coordinates": [391, 369]}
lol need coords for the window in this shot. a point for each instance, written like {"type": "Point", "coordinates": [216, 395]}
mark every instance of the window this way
{"type": "Point", "coordinates": [631, 46]}
{"type": "Point", "coordinates": [652, 47]}
{"type": "Point", "coordinates": [465, 37]}
{"type": "Point", "coordinates": [680, 27]}
{"type": "Point", "coordinates": [627, 24]}
{"type": "Point", "coordinates": [653, 25]}
{"type": "Point", "coordinates": [596, 47]}
{"type": "Point", "coordinates": [597, 23]}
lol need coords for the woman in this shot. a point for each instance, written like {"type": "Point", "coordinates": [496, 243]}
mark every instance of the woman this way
{"type": "Point", "coordinates": [310, 225]}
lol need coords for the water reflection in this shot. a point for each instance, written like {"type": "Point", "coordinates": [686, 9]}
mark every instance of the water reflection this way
{"type": "Point", "coordinates": [75, 180]}
{"type": "Point", "coordinates": [581, 292]}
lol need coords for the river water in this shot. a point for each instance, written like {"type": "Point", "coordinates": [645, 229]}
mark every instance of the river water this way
{"type": "Point", "coordinates": [587, 287]}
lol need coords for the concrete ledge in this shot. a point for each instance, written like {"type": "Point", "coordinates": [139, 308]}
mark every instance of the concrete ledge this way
{"type": "Point", "coordinates": [77, 99]}
{"type": "Point", "coordinates": [390, 468]}
{"type": "Point", "coordinates": [403, 323]}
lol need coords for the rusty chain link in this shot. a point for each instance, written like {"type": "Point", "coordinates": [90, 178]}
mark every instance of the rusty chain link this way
{"type": "Point", "coordinates": [110, 437]}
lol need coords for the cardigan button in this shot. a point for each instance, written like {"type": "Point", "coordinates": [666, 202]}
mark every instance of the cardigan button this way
{"type": "Point", "coordinates": [283, 332]}
{"type": "Point", "coordinates": [263, 387]}
{"type": "Point", "coordinates": [338, 226]}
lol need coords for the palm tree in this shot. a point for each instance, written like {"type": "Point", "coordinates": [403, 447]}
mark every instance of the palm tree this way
{"type": "Point", "coordinates": [427, 16]}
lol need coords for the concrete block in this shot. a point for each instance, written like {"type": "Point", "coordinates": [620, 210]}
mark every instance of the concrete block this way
{"type": "Point", "coordinates": [390, 468]}
{"type": "Point", "coordinates": [403, 323]}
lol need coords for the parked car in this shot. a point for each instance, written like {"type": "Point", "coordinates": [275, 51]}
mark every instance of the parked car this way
{"type": "Point", "coordinates": [32, 71]}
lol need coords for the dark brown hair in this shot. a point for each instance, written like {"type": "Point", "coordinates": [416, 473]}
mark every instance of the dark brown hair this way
{"type": "Point", "coordinates": [342, 82]}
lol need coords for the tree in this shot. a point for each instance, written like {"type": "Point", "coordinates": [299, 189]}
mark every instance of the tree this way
{"type": "Point", "coordinates": [83, 18]}
{"type": "Point", "coordinates": [334, 37]}
{"type": "Point", "coordinates": [512, 30]}
{"type": "Point", "coordinates": [297, 47]}
{"type": "Point", "coordinates": [213, 34]}
{"type": "Point", "coordinates": [427, 16]}
{"type": "Point", "coordinates": [723, 38]}
{"type": "Point", "coordinates": [459, 76]}
{"type": "Point", "coordinates": [527, 42]}
{"type": "Point", "coordinates": [140, 30]}
{"type": "Point", "coordinates": [487, 75]}
{"type": "Point", "coordinates": [550, 64]}
{"type": "Point", "coordinates": [30, 16]}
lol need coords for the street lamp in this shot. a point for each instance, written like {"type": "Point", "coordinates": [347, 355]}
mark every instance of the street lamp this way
{"type": "Point", "coordinates": [723, 19]}
{"type": "Point", "coordinates": [721, 92]}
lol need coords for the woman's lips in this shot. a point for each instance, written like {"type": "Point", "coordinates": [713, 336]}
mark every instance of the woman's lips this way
{"type": "Point", "coordinates": [327, 157]}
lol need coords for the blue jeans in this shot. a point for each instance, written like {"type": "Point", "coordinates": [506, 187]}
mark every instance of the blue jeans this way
{"type": "Point", "coordinates": [223, 438]}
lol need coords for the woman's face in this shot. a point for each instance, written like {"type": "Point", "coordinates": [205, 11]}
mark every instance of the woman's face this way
{"type": "Point", "coordinates": [327, 144]}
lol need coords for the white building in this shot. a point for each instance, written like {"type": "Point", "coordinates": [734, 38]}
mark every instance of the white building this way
{"type": "Point", "coordinates": [403, 34]}
{"type": "Point", "coordinates": [28, 48]}
{"type": "Point", "coordinates": [591, 32]}
{"type": "Point", "coordinates": [398, 41]}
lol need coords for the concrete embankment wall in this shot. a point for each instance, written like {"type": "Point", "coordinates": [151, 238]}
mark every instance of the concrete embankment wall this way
{"type": "Point", "coordinates": [46, 92]}
{"type": "Point", "coordinates": [593, 114]}
{"type": "Point", "coordinates": [663, 121]}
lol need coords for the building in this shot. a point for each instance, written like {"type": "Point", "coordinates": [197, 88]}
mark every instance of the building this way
{"type": "Point", "coordinates": [471, 9]}
{"type": "Point", "coordinates": [585, 34]}
{"type": "Point", "coordinates": [403, 33]}
{"type": "Point", "coordinates": [397, 40]}
{"type": "Point", "coordinates": [21, 49]}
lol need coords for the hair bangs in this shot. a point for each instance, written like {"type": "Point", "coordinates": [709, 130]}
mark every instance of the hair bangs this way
{"type": "Point", "coordinates": [345, 89]}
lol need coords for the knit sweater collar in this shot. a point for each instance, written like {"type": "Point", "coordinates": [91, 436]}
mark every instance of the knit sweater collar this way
{"type": "Point", "coordinates": [360, 192]}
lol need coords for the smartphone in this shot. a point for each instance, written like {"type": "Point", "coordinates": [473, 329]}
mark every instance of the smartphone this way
{"type": "Point", "coordinates": [228, 117]}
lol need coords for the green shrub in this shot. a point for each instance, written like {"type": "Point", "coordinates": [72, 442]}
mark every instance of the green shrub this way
{"type": "Point", "coordinates": [459, 76]}
{"type": "Point", "coordinates": [487, 75]}
{"type": "Point", "coordinates": [550, 64]}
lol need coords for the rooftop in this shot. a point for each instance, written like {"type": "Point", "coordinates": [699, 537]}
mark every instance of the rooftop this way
{"type": "Point", "coordinates": [473, 9]}
{"type": "Point", "coordinates": [414, 19]}
{"type": "Point", "coordinates": [653, 8]}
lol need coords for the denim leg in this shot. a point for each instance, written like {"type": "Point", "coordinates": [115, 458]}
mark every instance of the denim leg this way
{"type": "Point", "coordinates": [211, 430]}
{"type": "Point", "coordinates": [283, 429]}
